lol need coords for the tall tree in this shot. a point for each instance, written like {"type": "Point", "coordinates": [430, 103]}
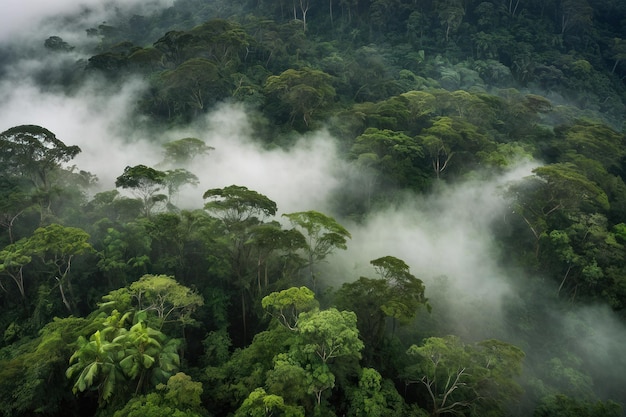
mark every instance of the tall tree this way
{"type": "Point", "coordinates": [34, 153]}
{"type": "Point", "coordinates": [459, 378]}
{"type": "Point", "coordinates": [397, 294]}
{"type": "Point", "coordinates": [305, 91]}
{"type": "Point", "coordinates": [145, 182]}
{"type": "Point", "coordinates": [94, 363]}
{"type": "Point", "coordinates": [158, 298]}
{"type": "Point", "coordinates": [57, 246]}
{"type": "Point", "coordinates": [323, 234]}
{"type": "Point", "coordinates": [13, 259]}
{"type": "Point", "coordinates": [182, 151]}
{"type": "Point", "coordinates": [240, 210]}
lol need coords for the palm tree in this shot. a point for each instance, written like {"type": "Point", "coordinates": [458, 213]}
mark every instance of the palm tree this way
{"type": "Point", "coordinates": [148, 355]}
{"type": "Point", "coordinates": [96, 361]}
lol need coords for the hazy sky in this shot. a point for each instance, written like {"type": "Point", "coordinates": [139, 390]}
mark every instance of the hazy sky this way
{"type": "Point", "coordinates": [28, 19]}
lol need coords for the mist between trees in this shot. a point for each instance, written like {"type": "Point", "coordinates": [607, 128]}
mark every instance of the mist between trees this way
{"type": "Point", "coordinates": [297, 209]}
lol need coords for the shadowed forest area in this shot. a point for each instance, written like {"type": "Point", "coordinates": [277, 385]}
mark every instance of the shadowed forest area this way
{"type": "Point", "coordinates": [360, 208]}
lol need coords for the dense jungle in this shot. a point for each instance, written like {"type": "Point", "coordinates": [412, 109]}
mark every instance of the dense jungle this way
{"type": "Point", "coordinates": [294, 208]}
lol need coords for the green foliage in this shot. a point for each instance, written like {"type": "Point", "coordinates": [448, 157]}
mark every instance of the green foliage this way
{"type": "Point", "coordinates": [323, 235]}
{"type": "Point", "coordinates": [465, 378]}
{"type": "Point", "coordinates": [96, 367]}
{"type": "Point", "coordinates": [329, 334]}
{"type": "Point", "coordinates": [145, 183]}
{"type": "Point", "coordinates": [368, 400]}
{"type": "Point", "coordinates": [393, 156]}
{"type": "Point", "coordinates": [405, 291]}
{"type": "Point", "coordinates": [414, 92]}
{"type": "Point", "coordinates": [32, 379]}
{"type": "Point", "coordinates": [236, 204]}
{"type": "Point", "coordinates": [179, 398]}
{"type": "Point", "coordinates": [286, 305]}
{"type": "Point", "coordinates": [159, 297]}
{"type": "Point", "coordinates": [115, 356]}
{"type": "Point", "coordinates": [33, 151]}
{"type": "Point", "coordinates": [183, 151]}
{"type": "Point", "coordinates": [260, 404]}
{"type": "Point", "coordinates": [561, 405]}
{"type": "Point", "coordinates": [304, 91]}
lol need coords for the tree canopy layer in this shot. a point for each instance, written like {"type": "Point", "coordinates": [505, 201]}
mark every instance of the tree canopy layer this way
{"type": "Point", "coordinates": [136, 301]}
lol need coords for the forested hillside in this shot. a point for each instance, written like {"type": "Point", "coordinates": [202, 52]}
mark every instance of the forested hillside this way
{"type": "Point", "coordinates": [304, 208]}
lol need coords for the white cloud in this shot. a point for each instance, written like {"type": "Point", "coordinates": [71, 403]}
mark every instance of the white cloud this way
{"type": "Point", "coordinates": [38, 19]}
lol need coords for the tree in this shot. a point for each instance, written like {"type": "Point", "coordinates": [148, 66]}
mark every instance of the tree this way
{"type": "Point", "coordinates": [34, 153]}
{"type": "Point", "coordinates": [95, 363]}
{"type": "Point", "coordinates": [554, 190]}
{"type": "Point", "coordinates": [115, 356]}
{"type": "Point", "coordinates": [368, 400]}
{"type": "Point", "coordinates": [32, 369]}
{"type": "Point", "coordinates": [446, 137]}
{"type": "Point", "coordinates": [13, 259]}
{"type": "Point", "coordinates": [392, 155]}
{"type": "Point", "coordinates": [329, 334]}
{"type": "Point", "coordinates": [147, 355]}
{"type": "Point", "coordinates": [274, 246]}
{"type": "Point", "coordinates": [170, 301]}
{"type": "Point", "coordinates": [57, 44]}
{"type": "Point", "coordinates": [183, 151]}
{"type": "Point", "coordinates": [124, 253]}
{"type": "Point", "coordinates": [564, 406]}
{"type": "Point", "coordinates": [259, 404]}
{"type": "Point", "coordinates": [145, 183]}
{"type": "Point", "coordinates": [365, 297]}
{"type": "Point", "coordinates": [176, 178]}
{"type": "Point", "coordinates": [222, 41]}
{"type": "Point", "coordinates": [180, 397]}
{"type": "Point", "coordinates": [286, 305]}
{"type": "Point", "coordinates": [173, 45]}
{"type": "Point", "coordinates": [397, 294]}
{"type": "Point", "coordinates": [236, 204]}
{"type": "Point", "coordinates": [195, 84]}
{"type": "Point", "coordinates": [289, 379]}
{"type": "Point", "coordinates": [323, 234]}
{"type": "Point", "coordinates": [618, 49]}
{"type": "Point", "coordinates": [305, 91]}
{"type": "Point", "coordinates": [575, 13]}
{"type": "Point", "coordinates": [240, 210]}
{"type": "Point", "coordinates": [458, 377]}
{"type": "Point", "coordinates": [57, 246]}
{"type": "Point", "coordinates": [16, 199]}
{"type": "Point", "coordinates": [450, 13]}
{"type": "Point", "coordinates": [406, 292]}
{"type": "Point", "coordinates": [322, 338]}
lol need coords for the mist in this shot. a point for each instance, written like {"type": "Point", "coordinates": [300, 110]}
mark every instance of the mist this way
{"type": "Point", "coordinates": [36, 20]}
{"type": "Point", "coordinates": [447, 237]}
{"type": "Point", "coordinates": [447, 240]}
{"type": "Point", "coordinates": [100, 118]}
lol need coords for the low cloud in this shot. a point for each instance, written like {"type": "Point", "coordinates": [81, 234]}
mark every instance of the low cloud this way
{"type": "Point", "coordinates": [447, 240]}
{"type": "Point", "coordinates": [27, 20]}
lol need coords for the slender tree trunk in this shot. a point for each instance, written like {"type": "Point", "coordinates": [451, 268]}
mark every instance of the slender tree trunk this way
{"type": "Point", "coordinates": [330, 8]}
{"type": "Point", "coordinates": [563, 281]}
{"type": "Point", "coordinates": [63, 297]}
{"type": "Point", "coordinates": [243, 316]}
